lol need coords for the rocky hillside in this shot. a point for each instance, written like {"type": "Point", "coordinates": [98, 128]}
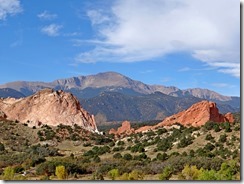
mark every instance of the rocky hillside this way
{"type": "Point", "coordinates": [8, 92]}
{"type": "Point", "coordinates": [48, 107]}
{"type": "Point", "coordinates": [201, 93]}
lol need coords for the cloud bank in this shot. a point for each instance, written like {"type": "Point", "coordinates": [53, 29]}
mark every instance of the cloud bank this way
{"type": "Point", "coordinates": [139, 30]}
{"type": "Point", "coordinates": [9, 7]}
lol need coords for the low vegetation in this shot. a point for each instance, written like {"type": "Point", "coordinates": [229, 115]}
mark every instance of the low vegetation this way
{"type": "Point", "coordinates": [210, 152]}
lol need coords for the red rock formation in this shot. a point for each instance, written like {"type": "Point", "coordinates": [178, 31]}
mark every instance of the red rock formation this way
{"type": "Point", "coordinates": [144, 129]}
{"type": "Point", "coordinates": [48, 107]}
{"type": "Point", "coordinates": [197, 115]}
{"type": "Point", "coordinates": [229, 117]}
{"type": "Point", "coordinates": [124, 129]}
{"type": "Point", "coordinates": [112, 131]}
{"type": "Point", "coordinates": [2, 115]}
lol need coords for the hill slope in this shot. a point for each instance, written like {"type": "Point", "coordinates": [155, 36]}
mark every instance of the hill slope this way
{"type": "Point", "coordinates": [116, 106]}
{"type": "Point", "coordinates": [8, 92]}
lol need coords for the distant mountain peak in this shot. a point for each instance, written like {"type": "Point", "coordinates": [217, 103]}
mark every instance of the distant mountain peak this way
{"type": "Point", "coordinates": [110, 73]}
{"type": "Point", "coordinates": [90, 86]}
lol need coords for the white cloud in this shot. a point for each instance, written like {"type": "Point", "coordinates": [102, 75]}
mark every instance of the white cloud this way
{"type": "Point", "coordinates": [97, 17]}
{"type": "Point", "coordinates": [141, 30]}
{"type": "Point", "coordinates": [47, 16]}
{"type": "Point", "coordinates": [187, 69]}
{"type": "Point", "coordinates": [9, 7]}
{"type": "Point", "coordinates": [51, 30]}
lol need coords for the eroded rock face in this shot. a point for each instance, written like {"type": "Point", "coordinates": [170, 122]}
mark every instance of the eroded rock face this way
{"type": "Point", "coordinates": [2, 115]}
{"type": "Point", "coordinates": [48, 107]}
{"type": "Point", "coordinates": [229, 117]}
{"type": "Point", "coordinates": [197, 115]}
{"type": "Point", "coordinates": [124, 129]}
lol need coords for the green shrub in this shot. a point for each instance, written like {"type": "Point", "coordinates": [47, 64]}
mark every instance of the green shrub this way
{"type": "Point", "coordinates": [190, 173]}
{"type": "Point", "coordinates": [141, 149]}
{"type": "Point", "coordinates": [208, 175]}
{"type": "Point", "coordinates": [209, 137]}
{"type": "Point", "coordinates": [185, 142]}
{"type": "Point", "coordinates": [223, 138]}
{"type": "Point", "coordinates": [164, 144]}
{"type": "Point", "coordinates": [216, 127]}
{"type": "Point", "coordinates": [143, 156]}
{"type": "Point", "coordinates": [167, 173]}
{"type": "Point", "coordinates": [2, 147]}
{"type": "Point", "coordinates": [209, 147]}
{"type": "Point", "coordinates": [162, 157]}
{"type": "Point", "coordinates": [120, 148]}
{"type": "Point", "coordinates": [237, 128]}
{"type": "Point", "coordinates": [97, 159]}
{"type": "Point", "coordinates": [121, 143]}
{"type": "Point", "coordinates": [128, 156]}
{"type": "Point", "coordinates": [101, 140]}
{"type": "Point", "coordinates": [117, 155]}
{"type": "Point", "coordinates": [184, 154]}
{"type": "Point", "coordinates": [113, 174]}
{"type": "Point", "coordinates": [8, 173]}
{"type": "Point", "coordinates": [209, 125]}
{"type": "Point", "coordinates": [150, 133]}
{"type": "Point", "coordinates": [161, 131]}
{"type": "Point", "coordinates": [191, 153]}
{"type": "Point", "coordinates": [111, 144]}
{"type": "Point", "coordinates": [227, 127]}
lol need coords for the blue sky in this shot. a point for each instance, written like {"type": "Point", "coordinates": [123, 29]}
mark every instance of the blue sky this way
{"type": "Point", "coordinates": [186, 44]}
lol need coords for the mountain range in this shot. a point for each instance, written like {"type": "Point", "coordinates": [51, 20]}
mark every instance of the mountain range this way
{"type": "Point", "coordinates": [114, 97]}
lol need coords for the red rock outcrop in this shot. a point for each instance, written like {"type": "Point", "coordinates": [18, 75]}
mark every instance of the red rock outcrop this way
{"type": "Point", "coordinates": [2, 115]}
{"type": "Point", "coordinates": [197, 115]}
{"type": "Point", "coordinates": [229, 117]}
{"type": "Point", "coordinates": [112, 131]}
{"type": "Point", "coordinates": [144, 129]}
{"type": "Point", "coordinates": [124, 129]}
{"type": "Point", "coordinates": [48, 107]}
